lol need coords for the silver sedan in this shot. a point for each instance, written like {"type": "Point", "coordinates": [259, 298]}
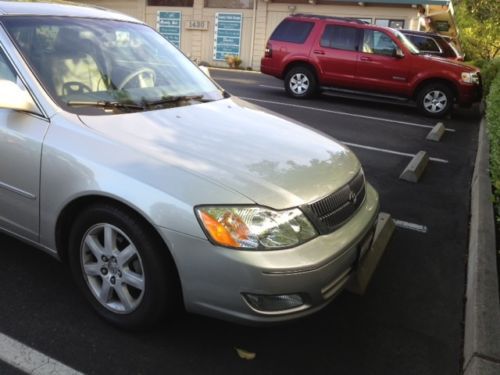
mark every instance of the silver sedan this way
{"type": "Point", "coordinates": [159, 189]}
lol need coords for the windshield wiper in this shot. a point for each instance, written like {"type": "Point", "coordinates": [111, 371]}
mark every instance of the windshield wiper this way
{"type": "Point", "coordinates": [105, 104]}
{"type": "Point", "coordinates": [175, 100]}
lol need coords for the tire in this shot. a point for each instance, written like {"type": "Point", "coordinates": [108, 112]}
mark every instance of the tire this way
{"type": "Point", "coordinates": [122, 268]}
{"type": "Point", "coordinates": [300, 82]}
{"type": "Point", "coordinates": [435, 100]}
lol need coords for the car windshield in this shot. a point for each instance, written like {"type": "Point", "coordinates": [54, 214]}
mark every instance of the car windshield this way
{"type": "Point", "coordinates": [403, 39]}
{"type": "Point", "coordinates": [97, 66]}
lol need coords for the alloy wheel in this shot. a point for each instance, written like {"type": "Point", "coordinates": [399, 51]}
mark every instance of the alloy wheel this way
{"type": "Point", "coordinates": [299, 83]}
{"type": "Point", "coordinates": [435, 101]}
{"type": "Point", "coordinates": [112, 268]}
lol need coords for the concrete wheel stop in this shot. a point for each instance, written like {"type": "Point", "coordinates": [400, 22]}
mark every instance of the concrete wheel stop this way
{"type": "Point", "coordinates": [436, 133]}
{"type": "Point", "coordinates": [383, 233]}
{"type": "Point", "coordinates": [415, 167]}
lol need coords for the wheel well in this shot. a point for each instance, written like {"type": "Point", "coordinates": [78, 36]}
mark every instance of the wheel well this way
{"type": "Point", "coordinates": [449, 84]}
{"type": "Point", "coordinates": [71, 211]}
{"type": "Point", "coordinates": [294, 64]}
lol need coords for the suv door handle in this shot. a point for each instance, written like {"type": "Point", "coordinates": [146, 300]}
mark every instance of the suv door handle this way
{"type": "Point", "coordinates": [319, 52]}
{"type": "Point", "coordinates": [365, 58]}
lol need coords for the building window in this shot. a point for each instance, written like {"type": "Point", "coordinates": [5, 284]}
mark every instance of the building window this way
{"type": "Point", "coordinates": [234, 4]}
{"type": "Point", "coordinates": [395, 24]}
{"type": "Point", "coordinates": [171, 3]}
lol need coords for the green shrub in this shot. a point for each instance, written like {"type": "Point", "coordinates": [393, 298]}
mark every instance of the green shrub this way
{"type": "Point", "coordinates": [489, 70]}
{"type": "Point", "coordinates": [493, 120]}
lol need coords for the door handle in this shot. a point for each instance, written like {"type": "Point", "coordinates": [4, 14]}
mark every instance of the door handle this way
{"type": "Point", "coordinates": [365, 58]}
{"type": "Point", "coordinates": [319, 52]}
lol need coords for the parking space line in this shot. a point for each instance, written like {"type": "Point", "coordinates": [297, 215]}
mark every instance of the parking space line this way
{"type": "Point", "coordinates": [438, 160]}
{"type": "Point", "coordinates": [272, 87]}
{"type": "Point", "coordinates": [29, 360]}
{"type": "Point", "coordinates": [410, 226]}
{"type": "Point", "coordinates": [345, 113]}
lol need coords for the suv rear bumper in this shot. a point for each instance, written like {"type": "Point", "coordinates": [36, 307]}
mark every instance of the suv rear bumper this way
{"type": "Point", "coordinates": [266, 67]}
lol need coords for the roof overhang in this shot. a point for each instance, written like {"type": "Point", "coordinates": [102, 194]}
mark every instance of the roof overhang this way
{"type": "Point", "coordinates": [394, 2]}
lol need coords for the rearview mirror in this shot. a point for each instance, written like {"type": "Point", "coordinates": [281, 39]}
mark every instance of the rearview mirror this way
{"type": "Point", "coordinates": [398, 53]}
{"type": "Point", "coordinates": [15, 98]}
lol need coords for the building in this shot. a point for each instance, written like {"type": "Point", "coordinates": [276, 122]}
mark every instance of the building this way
{"type": "Point", "coordinates": [208, 30]}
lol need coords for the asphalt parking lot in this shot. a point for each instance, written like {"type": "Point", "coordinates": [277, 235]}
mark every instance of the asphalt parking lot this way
{"type": "Point", "coordinates": [410, 321]}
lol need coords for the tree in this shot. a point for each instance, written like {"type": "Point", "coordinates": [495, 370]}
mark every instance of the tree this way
{"type": "Point", "coordinates": [479, 27]}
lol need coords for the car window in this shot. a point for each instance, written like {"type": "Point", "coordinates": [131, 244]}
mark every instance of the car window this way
{"type": "Point", "coordinates": [378, 43]}
{"type": "Point", "coordinates": [99, 61]}
{"type": "Point", "coordinates": [424, 43]}
{"type": "Point", "coordinates": [292, 31]}
{"type": "Point", "coordinates": [448, 48]}
{"type": "Point", "coordinates": [6, 70]}
{"type": "Point", "coordinates": [340, 37]}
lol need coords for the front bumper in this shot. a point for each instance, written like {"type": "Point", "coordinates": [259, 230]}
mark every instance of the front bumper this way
{"type": "Point", "coordinates": [214, 279]}
{"type": "Point", "coordinates": [469, 94]}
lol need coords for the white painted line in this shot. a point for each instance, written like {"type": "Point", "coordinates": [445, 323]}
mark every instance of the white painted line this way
{"type": "Point", "coordinates": [345, 113]}
{"type": "Point", "coordinates": [390, 151]}
{"type": "Point", "coordinates": [29, 360]}
{"type": "Point", "coordinates": [272, 87]}
{"type": "Point", "coordinates": [410, 226]}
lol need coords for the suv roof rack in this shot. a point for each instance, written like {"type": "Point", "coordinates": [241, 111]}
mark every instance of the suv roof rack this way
{"type": "Point", "coordinates": [347, 19]}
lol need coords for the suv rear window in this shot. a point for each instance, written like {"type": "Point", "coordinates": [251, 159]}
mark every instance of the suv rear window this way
{"type": "Point", "coordinates": [292, 31]}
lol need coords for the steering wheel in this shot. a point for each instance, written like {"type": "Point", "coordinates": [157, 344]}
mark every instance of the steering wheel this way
{"type": "Point", "coordinates": [142, 74]}
{"type": "Point", "coordinates": [74, 87]}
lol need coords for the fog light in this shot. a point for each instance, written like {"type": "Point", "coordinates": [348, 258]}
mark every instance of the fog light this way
{"type": "Point", "coordinates": [274, 303]}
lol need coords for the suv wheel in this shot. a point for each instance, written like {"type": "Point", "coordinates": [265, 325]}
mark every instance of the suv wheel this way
{"type": "Point", "coordinates": [118, 265]}
{"type": "Point", "coordinates": [435, 100]}
{"type": "Point", "coordinates": [300, 82]}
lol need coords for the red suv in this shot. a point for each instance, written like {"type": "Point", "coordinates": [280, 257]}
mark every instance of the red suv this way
{"type": "Point", "coordinates": [313, 53]}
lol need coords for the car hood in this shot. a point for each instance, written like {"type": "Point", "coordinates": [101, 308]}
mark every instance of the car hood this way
{"type": "Point", "coordinates": [450, 62]}
{"type": "Point", "coordinates": [272, 160]}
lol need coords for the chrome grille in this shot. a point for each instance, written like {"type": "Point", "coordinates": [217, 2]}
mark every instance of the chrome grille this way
{"type": "Point", "coordinates": [337, 207]}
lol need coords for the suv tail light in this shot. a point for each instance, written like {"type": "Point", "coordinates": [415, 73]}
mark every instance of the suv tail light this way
{"type": "Point", "coordinates": [268, 50]}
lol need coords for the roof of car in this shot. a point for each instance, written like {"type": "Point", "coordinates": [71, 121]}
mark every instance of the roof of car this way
{"type": "Point", "coordinates": [60, 8]}
{"type": "Point", "coordinates": [323, 17]}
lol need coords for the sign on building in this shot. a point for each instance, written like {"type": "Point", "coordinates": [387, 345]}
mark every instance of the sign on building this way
{"type": "Point", "coordinates": [227, 35]}
{"type": "Point", "coordinates": [169, 25]}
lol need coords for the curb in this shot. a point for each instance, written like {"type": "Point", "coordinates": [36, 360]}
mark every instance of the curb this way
{"type": "Point", "coordinates": [482, 307]}
{"type": "Point", "coordinates": [234, 70]}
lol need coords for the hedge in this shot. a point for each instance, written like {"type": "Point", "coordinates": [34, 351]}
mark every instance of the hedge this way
{"type": "Point", "coordinates": [489, 70]}
{"type": "Point", "coordinates": [493, 121]}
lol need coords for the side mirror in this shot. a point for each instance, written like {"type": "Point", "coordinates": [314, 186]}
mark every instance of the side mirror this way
{"type": "Point", "coordinates": [398, 53]}
{"type": "Point", "coordinates": [15, 98]}
{"type": "Point", "coordinates": [204, 69]}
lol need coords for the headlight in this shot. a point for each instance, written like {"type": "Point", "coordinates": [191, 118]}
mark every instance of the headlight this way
{"type": "Point", "coordinates": [250, 227]}
{"type": "Point", "coordinates": [471, 78]}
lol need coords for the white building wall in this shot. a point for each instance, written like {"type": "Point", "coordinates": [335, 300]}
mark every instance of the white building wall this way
{"type": "Point", "coordinates": [198, 44]}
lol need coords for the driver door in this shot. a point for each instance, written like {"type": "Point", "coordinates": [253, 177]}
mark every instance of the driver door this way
{"type": "Point", "coordinates": [21, 137]}
{"type": "Point", "coordinates": [378, 69]}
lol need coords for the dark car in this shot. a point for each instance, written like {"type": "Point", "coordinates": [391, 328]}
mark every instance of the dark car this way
{"type": "Point", "coordinates": [313, 53]}
{"type": "Point", "coordinates": [433, 44]}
